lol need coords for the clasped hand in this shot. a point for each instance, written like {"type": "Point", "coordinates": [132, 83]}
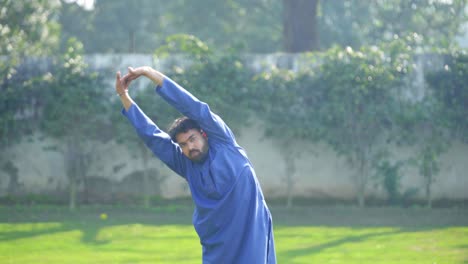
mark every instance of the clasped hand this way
{"type": "Point", "coordinates": [123, 82]}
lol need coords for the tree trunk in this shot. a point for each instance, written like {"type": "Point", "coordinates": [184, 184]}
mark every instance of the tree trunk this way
{"type": "Point", "coordinates": [428, 190]}
{"type": "Point", "coordinates": [300, 30]}
{"type": "Point", "coordinates": [71, 160]}
{"type": "Point", "coordinates": [13, 184]}
{"type": "Point", "coordinates": [146, 195]}
{"type": "Point", "coordinates": [83, 171]}
{"type": "Point", "coordinates": [362, 180]}
{"type": "Point", "coordinates": [361, 196]}
{"type": "Point", "coordinates": [73, 187]}
{"type": "Point", "coordinates": [290, 171]}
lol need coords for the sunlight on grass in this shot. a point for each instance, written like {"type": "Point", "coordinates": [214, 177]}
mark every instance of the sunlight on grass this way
{"type": "Point", "coordinates": [371, 245]}
{"type": "Point", "coordinates": [107, 242]}
{"type": "Point", "coordinates": [27, 243]}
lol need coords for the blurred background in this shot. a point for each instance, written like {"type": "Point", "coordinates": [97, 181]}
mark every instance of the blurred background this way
{"type": "Point", "coordinates": [336, 102]}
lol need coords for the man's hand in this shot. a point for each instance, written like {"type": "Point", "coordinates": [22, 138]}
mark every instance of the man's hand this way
{"type": "Point", "coordinates": [121, 86]}
{"type": "Point", "coordinates": [135, 73]}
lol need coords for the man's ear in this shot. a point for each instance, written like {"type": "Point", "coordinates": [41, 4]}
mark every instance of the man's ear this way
{"type": "Point", "coordinates": [203, 133]}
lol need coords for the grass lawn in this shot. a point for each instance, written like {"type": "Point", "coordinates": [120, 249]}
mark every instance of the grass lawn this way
{"type": "Point", "coordinates": [165, 235]}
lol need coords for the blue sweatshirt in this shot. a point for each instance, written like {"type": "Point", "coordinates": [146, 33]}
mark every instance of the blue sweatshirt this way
{"type": "Point", "coordinates": [231, 217]}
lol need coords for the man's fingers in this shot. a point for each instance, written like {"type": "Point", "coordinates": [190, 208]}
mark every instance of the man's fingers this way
{"type": "Point", "coordinates": [117, 80]}
{"type": "Point", "coordinates": [132, 74]}
{"type": "Point", "coordinates": [128, 78]}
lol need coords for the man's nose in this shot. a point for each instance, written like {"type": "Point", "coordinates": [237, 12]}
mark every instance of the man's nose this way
{"type": "Point", "coordinates": [191, 146]}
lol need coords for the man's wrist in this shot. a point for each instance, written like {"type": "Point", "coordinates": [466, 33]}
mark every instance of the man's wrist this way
{"type": "Point", "coordinates": [122, 93]}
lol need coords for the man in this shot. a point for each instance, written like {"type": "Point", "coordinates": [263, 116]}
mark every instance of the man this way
{"type": "Point", "coordinates": [231, 217]}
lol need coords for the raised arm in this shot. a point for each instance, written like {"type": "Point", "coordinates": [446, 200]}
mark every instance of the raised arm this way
{"type": "Point", "coordinates": [185, 103]}
{"type": "Point", "coordinates": [150, 73]}
{"type": "Point", "coordinates": [157, 140]}
{"type": "Point", "coordinates": [121, 88]}
{"type": "Point", "coordinates": [122, 83]}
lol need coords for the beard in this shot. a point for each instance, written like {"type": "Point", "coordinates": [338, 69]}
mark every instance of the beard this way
{"type": "Point", "coordinates": [199, 155]}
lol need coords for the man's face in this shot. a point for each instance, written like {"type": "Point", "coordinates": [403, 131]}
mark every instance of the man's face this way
{"type": "Point", "coordinates": [194, 145]}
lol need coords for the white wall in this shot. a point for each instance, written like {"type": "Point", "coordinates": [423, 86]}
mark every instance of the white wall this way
{"type": "Point", "coordinates": [320, 173]}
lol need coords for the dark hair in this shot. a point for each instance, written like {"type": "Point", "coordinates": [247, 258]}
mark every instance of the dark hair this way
{"type": "Point", "coordinates": [182, 125]}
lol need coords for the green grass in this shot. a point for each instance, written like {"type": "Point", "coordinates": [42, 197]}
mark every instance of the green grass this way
{"type": "Point", "coordinates": [131, 235]}
{"type": "Point", "coordinates": [372, 245]}
{"type": "Point", "coordinates": [130, 243]}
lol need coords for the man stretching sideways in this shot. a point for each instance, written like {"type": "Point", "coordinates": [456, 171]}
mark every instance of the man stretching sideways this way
{"type": "Point", "coordinates": [231, 216]}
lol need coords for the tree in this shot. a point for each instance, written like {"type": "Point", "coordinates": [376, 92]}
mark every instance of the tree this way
{"type": "Point", "coordinates": [422, 125]}
{"type": "Point", "coordinates": [438, 22]}
{"type": "Point", "coordinates": [117, 26]}
{"type": "Point", "coordinates": [349, 101]}
{"type": "Point", "coordinates": [441, 118]}
{"type": "Point", "coordinates": [450, 87]}
{"type": "Point", "coordinates": [345, 23]}
{"type": "Point", "coordinates": [76, 22]}
{"type": "Point", "coordinates": [300, 29]}
{"type": "Point", "coordinates": [254, 26]}
{"type": "Point", "coordinates": [26, 29]}
{"type": "Point", "coordinates": [285, 111]}
{"type": "Point", "coordinates": [355, 23]}
{"type": "Point", "coordinates": [74, 113]}
{"type": "Point", "coordinates": [361, 91]}
{"type": "Point", "coordinates": [251, 26]}
{"type": "Point", "coordinates": [257, 26]}
{"type": "Point", "coordinates": [143, 26]}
